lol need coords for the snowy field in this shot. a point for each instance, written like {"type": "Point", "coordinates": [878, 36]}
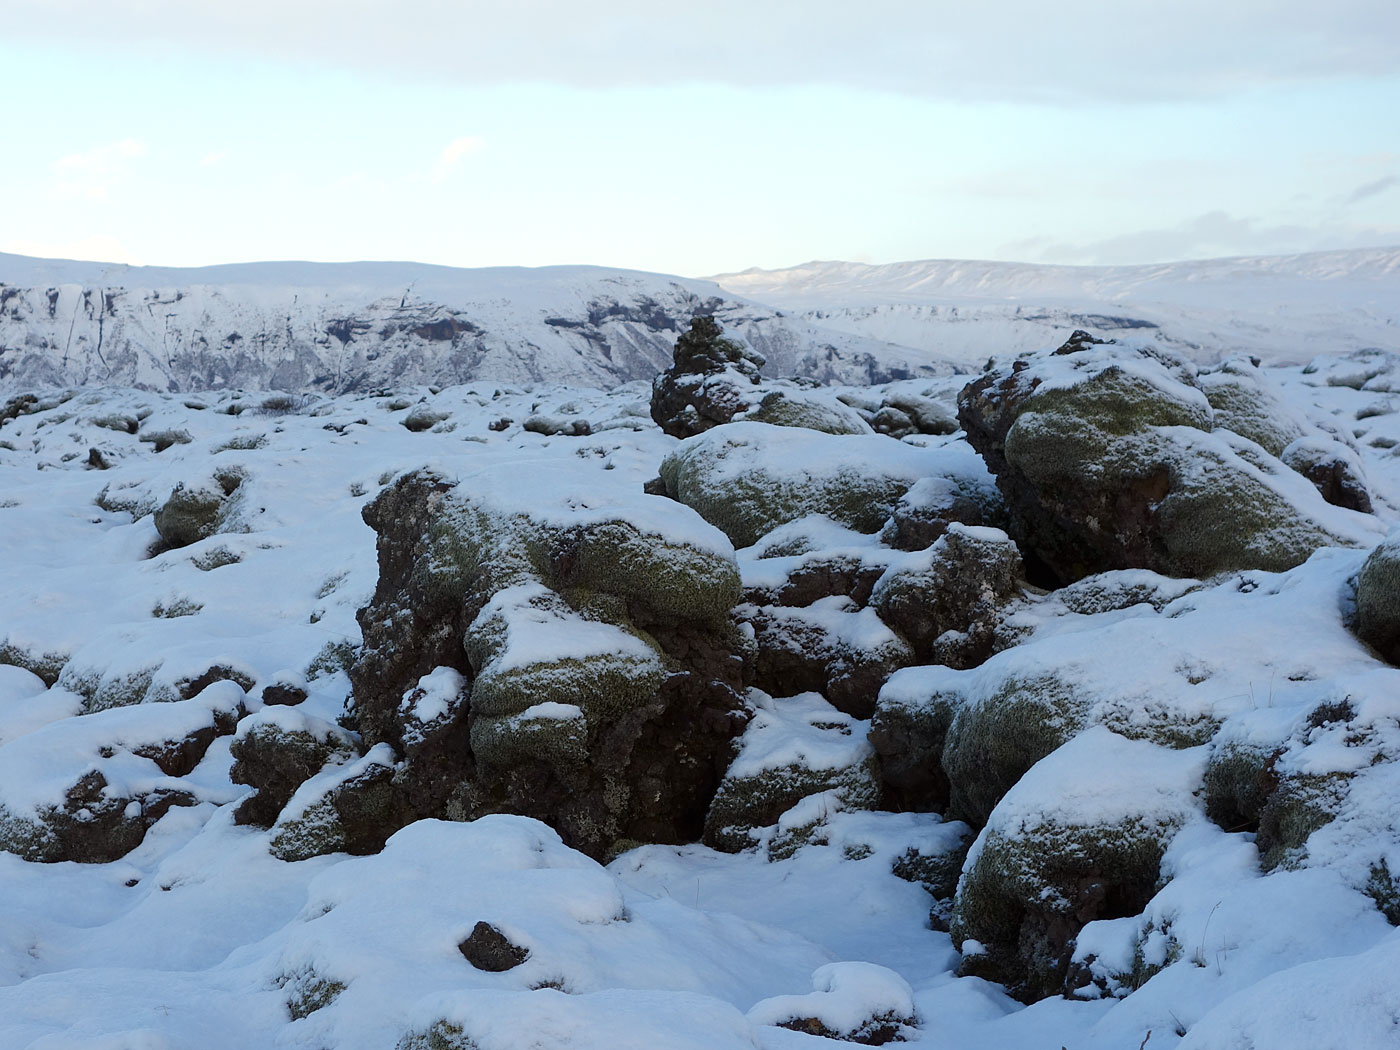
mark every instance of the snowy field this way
{"type": "Point", "coordinates": [118, 646]}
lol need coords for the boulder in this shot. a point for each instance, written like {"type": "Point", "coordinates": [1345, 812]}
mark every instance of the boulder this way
{"type": "Point", "coordinates": [588, 671]}
{"type": "Point", "coordinates": [1107, 460]}
{"type": "Point", "coordinates": [793, 748]}
{"type": "Point", "coordinates": [198, 509]}
{"type": "Point", "coordinates": [1377, 619]}
{"type": "Point", "coordinates": [275, 752]}
{"type": "Point", "coordinates": [711, 379]}
{"type": "Point", "coordinates": [1079, 838]}
{"type": "Point", "coordinates": [748, 479]}
{"type": "Point", "coordinates": [832, 646]}
{"type": "Point", "coordinates": [946, 600]}
{"type": "Point", "coordinates": [855, 1002]}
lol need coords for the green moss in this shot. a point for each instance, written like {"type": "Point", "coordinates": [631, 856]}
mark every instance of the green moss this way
{"type": "Point", "coordinates": [991, 744]}
{"type": "Point", "coordinates": [333, 658]}
{"type": "Point", "coordinates": [604, 686]}
{"type": "Point", "coordinates": [176, 608]}
{"type": "Point", "coordinates": [46, 665]}
{"type": "Point", "coordinates": [784, 410]}
{"type": "Point", "coordinates": [307, 991]}
{"type": "Point", "coordinates": [1242, 405]}
{"type": "Point", "coordinates": [674, 580]}
{"type": "Point", "coordinates": [1238, 781]}
{"type": "Point", "coordinates": [441, 1035]}
{"type": "Point", "coordinates": [1382, 888]}
{"type": "Point", "coordinates": [120, 690]}
{"type": "Point", "coordinates": [315, 832]}
{"type": "Point", "coordinates": [216, 558]}
{"type": "Point", "coordinates": [744, 804]}
{"type": "Point", "coordinates": [1298, 806]}
{"type": "Point", "coordinates": [502, 742]}
{"type": "Point", "coordinates": [126, 500]}
{"type": "Point", "coordinates": [1023, 897]}
{"type": "Point", "coordinates": [748, 503]}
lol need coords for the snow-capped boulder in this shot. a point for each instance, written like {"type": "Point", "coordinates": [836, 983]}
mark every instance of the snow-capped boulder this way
{"type": "Point", "coordinates": [832, 646]}
{"type": "Point", "coordinates": [87, 789]}
{"type": "Point", "coordinates": [793, 748]}
{"type": "Point", "coordinates": [749, 478]}
{"type": "Point", "coordinates": [1107, 460]}
{"type": "Point", "coordinates": [945, 600]}
{"type": "Point", "coordinates": [599, 674]}
{"type": "Point", "coordinates": [710, 380]}
{"type": "Point", "coordinates": [1377, 620]}
{"type": "Point", "coordinates": [197, 509]}
{"type": "Point", "coordinates": [1333, 468]}
{"type": "Point", "coordinates": [1079, 838]}
{"type": "Point", "coordinates": [856, 1002]}
{"type": "Point", "coordinates": [924, 513]}
{"type": "Point", "coordinates": [277, 750]}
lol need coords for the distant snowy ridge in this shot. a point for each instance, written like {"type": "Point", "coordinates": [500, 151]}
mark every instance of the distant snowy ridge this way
{"type": "Point", "coordinates": [361, 326]}
{"type": "Point", "coordinates": [1285, 308]}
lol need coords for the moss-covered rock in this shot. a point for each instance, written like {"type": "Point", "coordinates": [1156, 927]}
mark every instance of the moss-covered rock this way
{"type": "Point", "coordinates": [992, 742]}
{"type": "Point", "coordinates": [747, 479]}
{"type": "Point", "coordinates": [1300, 804]}
{"type": "Point", "coordinates": [351, 808]}
{"type": "Point", "coordinates": [832, 647]}
{"type": "Point", "coordinates": [276, 755]}
{"type": "Point", "coordinates": [46, 664]}
{"type": "Point", "coordinates": [946, 600]}
{"type": "Point", "coordinates": [591, 631]}
{"type": "Point", "coordinates": [196, 510]}
{"type": "Point", "coordinates": [1245, 401]}
{"type": "Point", "coordinates": [1377, 619]}
{"type": "Point", "coordinates": [1068, 847]}
{"type": "Point", "coordinates": [793, 748]}
{"type": "Point", "coordinates": [711, 379]}
{"type": "Point", "coordinates": [1239, 779]}
{"type": "Point", "coordinates": [791, 409]}
{"type": "Point", "coordinates": [1107, 461]}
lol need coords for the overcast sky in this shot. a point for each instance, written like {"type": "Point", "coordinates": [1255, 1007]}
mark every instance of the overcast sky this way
{"type": "Point", "coordinates": [697, 138]}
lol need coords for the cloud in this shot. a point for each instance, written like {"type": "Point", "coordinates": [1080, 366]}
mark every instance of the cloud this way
{"type": "Point", "coordinates": [91, 175]}
{"type": "Point", "coordinates": [1214, 234]}
{"type": "Point", "coordinates": [213, 158]}
{"type": "Point", "coordinates": [1372, 189]}
{"type": "Point", "coordinates": [1073, 50]}
{"type": "Point", "coordinates": [452, 155]}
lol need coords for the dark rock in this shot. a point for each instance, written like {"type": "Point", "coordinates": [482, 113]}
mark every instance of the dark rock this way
{"type": "Point", "coordinates": [947, 601]}
{"type": "Point", "coordinates": [711, 379]}
{"type": "Point", "coordinates": [1105, 457]}
{"type": "Point", "coordinates": [487, 948]}
{"type": "Point", "coordinates": [276, 761]}
{"type": "Point", "coordinates": [1377, 620]}
{"type": "Point", "coordinates": [634, 746]}
{"type": "Point", "coordinates": [283, 694]}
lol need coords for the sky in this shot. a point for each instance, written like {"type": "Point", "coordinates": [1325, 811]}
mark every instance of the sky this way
{"type": "Point", "coordinates": [697, 139]}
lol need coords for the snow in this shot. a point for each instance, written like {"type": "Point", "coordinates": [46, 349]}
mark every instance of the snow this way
{"type": "Point", "coordinates": [199, 936]}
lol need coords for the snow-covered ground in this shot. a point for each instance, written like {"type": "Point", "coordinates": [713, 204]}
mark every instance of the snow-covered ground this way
{"type": "Point", "coordinates": [1285, 309]}
{"type": "Point", "coordinates": [355, 327]}
{"type": "Point", "coordinates": [199, 937]}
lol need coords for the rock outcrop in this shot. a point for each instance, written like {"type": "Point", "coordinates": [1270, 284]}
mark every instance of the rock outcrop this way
{"type": "Point", "coordinates": [564, 652]}
{"type": "Point", "coordinates": [1109, 458]}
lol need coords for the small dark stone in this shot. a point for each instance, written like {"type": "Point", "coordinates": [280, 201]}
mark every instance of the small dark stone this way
{"type": "Point", "coordinates": [487, 948]}
{"type": "Point", "coordinates": [97, 460]}
{"type": "Point", "coordinates": [283, 694]}
{"type": "Point", "coordinates": [501, 424]}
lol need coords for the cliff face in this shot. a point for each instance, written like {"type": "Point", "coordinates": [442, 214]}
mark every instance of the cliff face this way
{"type": "Point", "coordinates": [359, 327]}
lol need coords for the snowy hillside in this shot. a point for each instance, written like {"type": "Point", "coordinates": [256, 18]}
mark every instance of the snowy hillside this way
{"type": "Point", "coordinates": [494, 718]}
{"type": "Point", "coordinates": [1285, 309]}
{"type": "Point", "coordinates": [366, 326]}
